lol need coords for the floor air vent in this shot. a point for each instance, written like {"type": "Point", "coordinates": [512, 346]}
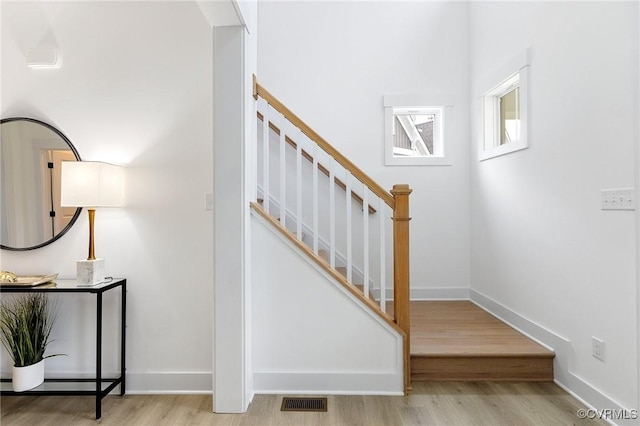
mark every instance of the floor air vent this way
{"type": "Point", "coordinates": [304, 404]}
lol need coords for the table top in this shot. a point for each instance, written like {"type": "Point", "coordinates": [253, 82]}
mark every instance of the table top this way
{"type": "Point", "coordinates": [66, 286]}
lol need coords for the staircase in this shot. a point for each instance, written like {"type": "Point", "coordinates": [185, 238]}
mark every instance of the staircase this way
{"type": "Point", "coordinates": [329, 209]}
{"type": "Point", "coordinates": [358, 233]}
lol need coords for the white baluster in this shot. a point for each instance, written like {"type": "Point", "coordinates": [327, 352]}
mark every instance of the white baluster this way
{"type": "Point", "coordinates": [299, 185]}
{"type": "Point", "coordinates": [316, 230]}
{"type": "Point", "coordinates": [365, 221]}
{"type": "Point", "coordinates": [283, 166]}
{"type": "Point", "coordinates": [265, 159]}
{"type": "Point", "coordinates": [332, 215]}
{"type": "Point", "coordinates": [383, 252]}
{"type": "Point", "coordinates": [349, 230]}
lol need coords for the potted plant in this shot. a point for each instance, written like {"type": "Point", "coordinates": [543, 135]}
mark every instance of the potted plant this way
{"type": "Point", "coordinates": [25, 326]}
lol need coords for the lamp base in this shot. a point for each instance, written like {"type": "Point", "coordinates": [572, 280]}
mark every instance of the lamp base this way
{"type": "Point", "coordinates": [90, 272]}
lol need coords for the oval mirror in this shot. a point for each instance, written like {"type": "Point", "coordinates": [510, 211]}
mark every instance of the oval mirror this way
{"type": "Point", "coordinates": [30, 156]}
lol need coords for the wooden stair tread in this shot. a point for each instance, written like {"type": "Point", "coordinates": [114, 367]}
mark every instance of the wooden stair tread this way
{"type": "Point", "coordinates": [475, 342]}
{"type": "Point", "coordinates": [457, 340]}
{"type": "Point", "coordinates": [370, 296]}
{"type": "Point", "coordinates": [462, 328]}
{"type": "Point", "coordinates": [324, 255]}
{"type": "Point", "coordinates": [343, 271]}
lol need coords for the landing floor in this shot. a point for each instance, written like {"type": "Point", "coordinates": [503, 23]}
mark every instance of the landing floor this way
{"type": "Point", "coordinates": [462, 328]}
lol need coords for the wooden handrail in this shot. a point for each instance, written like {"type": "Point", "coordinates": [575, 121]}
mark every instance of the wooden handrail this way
{"type": "Point", "coordinates": [401, 270]}
{"type": "Point", "coordinates": [326, 146]}
{"type": "Point", "coordinates": [323, 169]}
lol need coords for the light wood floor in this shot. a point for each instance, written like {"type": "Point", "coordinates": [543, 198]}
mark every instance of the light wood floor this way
{"type": "Point", "coordinates": [431, 403]}
{"type": "Point", "coordinates": [437, 328]}
{"type": "Point", "coordinates": [461, 327]}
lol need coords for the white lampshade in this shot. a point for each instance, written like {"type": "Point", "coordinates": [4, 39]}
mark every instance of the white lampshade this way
{"type": "Point", "coordinates": [91, 184]}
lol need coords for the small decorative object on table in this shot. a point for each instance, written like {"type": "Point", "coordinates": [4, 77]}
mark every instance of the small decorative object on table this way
{"type": "Point", "coordinates": [25, 326]}
{"type": "Point", "coordinates": [9, 277]}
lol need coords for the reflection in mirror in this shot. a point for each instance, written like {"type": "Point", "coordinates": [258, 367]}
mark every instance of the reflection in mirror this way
{"type": "Point", "coordinates": [30, 156]}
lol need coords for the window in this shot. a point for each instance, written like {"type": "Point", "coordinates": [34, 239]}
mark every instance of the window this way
{"type": "Point", "coordinates": [414, 130]}
{"type": "Point", "coordinates": [417, 132]}
{"type": "Point", "coordinates": [505, 114]}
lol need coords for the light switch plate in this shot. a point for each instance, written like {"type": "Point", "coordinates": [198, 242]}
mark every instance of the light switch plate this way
{"type": "Point", "coordinates": [618, 199]}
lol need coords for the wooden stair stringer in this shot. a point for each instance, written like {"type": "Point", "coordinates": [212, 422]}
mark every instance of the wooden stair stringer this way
{"type": "Point", "coordinates": [324, 265]}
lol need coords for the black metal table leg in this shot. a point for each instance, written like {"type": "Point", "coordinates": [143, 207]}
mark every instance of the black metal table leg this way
{"type": "Point", "coordinates": [123, 341]}
{"type": "Point", "coordinates": [98, 355]}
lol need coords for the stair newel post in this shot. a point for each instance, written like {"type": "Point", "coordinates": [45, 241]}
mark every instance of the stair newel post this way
{"type": "Point", "coordinates": [401, 269]}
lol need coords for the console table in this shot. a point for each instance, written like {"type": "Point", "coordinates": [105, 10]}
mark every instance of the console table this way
{"type": "Point", "coordinates": [97, 386]}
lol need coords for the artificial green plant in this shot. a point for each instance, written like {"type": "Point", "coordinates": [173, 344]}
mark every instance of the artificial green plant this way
{"type": "Point", "coordinates": [26, 322]}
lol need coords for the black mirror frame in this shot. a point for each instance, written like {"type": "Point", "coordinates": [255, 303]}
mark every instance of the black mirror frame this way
{"type": "Point", "coordinates": [78, 210]}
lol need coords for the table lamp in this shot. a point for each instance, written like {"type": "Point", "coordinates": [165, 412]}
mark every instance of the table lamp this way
{"type": "Point", "coordinates": [91, 184]}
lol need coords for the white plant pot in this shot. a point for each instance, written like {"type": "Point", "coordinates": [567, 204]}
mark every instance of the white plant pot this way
{"type": "Point", "coordinates": [29, 377]}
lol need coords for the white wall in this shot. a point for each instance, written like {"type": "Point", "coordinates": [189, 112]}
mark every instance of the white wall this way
{"type": "Point", "coordinates": [541, 246]}
{"type": "Point", "coordinates": [332, 62]}
{"type": "Point", "coordinates": [135, 88]}
{"type": "Point", "coordinates": [309, 334]}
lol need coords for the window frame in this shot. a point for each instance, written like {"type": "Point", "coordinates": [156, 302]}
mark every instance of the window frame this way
{"type": "Point", "coordinates": [440, 106]}
{"type": "Point", "coordinates": [509, 79]}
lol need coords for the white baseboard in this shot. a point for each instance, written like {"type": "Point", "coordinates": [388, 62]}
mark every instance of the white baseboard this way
{"type": "Point", "coordinates": [563, 362]}
{"type": "Point", "coordinates": [433, 293]}
{"type": "Point", "coordinates": [169, 383]}
{"type": "Point", "coordinates": [440, 293]}
{"type": "Point", "coordinates": [328, 383]}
